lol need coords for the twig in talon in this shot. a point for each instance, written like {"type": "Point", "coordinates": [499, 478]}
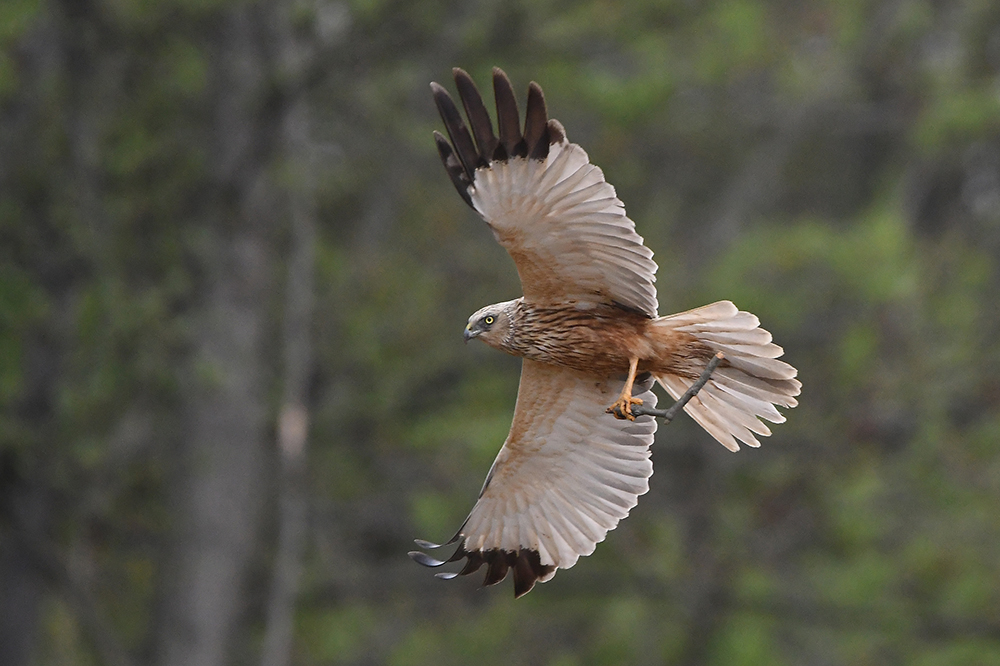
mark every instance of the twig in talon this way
{"type": "Point", "coordinates": [669, 414]}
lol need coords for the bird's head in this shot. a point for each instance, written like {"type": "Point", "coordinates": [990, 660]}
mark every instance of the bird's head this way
{"type": "Point", "coordinates": [492, 324]}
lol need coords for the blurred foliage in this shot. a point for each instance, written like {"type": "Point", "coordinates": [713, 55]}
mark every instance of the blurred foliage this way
{"type": "Point", "coordinates": [831, 166]}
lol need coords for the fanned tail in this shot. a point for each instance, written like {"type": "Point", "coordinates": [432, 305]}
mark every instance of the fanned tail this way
{"type": "Point", "coordinates": [746, 387]}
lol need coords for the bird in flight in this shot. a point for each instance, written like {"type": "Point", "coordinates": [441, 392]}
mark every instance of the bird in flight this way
{"type": "Point", "coordinates": [576, 458]}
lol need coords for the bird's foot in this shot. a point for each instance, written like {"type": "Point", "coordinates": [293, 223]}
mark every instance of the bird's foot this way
{"type": "Point", "coordinates": [622, 409]}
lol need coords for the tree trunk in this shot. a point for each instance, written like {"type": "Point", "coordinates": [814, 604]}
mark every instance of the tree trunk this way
{"type": "Point", "coordinates": [226, 384]}
{"type": "Point", "coordinates": [293, 422]}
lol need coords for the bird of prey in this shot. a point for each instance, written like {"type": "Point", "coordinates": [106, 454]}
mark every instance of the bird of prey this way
{"type": "Point", "coordinates": [576, 458]}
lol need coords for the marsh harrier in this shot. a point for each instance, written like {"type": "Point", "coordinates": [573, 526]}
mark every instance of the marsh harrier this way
{"type": "Point", "coordinates": [577, 459]}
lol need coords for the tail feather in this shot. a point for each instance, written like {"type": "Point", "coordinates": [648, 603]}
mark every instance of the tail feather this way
{"type": "Point", "coordinates": [713, 423]}
{"type": "Point", "coordinates": [749, 385]}
{"type": "Point", "coordinates": [756, 336]}
{"type": "Point", "coordinates": [777, 391]}
{"type": "Point", "coordinates": [769, 350]}
{"type": "Point", "coordinates": [753, 404]}
{"type": "Point", "coordinates": [762, 367]}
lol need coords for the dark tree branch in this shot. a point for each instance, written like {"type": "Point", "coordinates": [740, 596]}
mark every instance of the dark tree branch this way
{"type": "Point", "coordinates": [669, 414]}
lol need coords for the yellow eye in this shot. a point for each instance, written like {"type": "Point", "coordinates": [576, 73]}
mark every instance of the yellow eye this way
{"type": "Point", "coordinates": [488, 320]}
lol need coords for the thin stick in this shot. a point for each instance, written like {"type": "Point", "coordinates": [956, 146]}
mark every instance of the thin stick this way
{"type": "Point", "coordinates": [669, 414]}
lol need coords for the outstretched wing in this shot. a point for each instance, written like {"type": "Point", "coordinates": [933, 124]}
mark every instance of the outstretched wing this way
{"type": "Point", "coordinates": [545, 202]}
{"type": "Point", "coordinates": [566, 475]}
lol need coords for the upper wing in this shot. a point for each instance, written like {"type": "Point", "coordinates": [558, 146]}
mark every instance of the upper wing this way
{"type": "Point", "coordinates": [566, 475]}
{"type": "Point", "coordinates": [545, 202]}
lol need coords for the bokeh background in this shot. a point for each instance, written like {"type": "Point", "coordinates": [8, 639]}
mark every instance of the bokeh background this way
{"type": "Point", "coordinates": [234, 278]}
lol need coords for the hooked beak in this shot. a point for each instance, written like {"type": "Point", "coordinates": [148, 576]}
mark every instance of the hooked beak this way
{"type": "Point", "coordinates": [468, 334]}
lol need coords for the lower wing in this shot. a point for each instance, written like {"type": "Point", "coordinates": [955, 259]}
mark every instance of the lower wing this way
{"type": "Point", "coordinates": [566, 475]}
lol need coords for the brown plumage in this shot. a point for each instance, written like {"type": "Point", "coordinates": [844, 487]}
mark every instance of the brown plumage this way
{"type": "Point", "coordinates": [592, 343]}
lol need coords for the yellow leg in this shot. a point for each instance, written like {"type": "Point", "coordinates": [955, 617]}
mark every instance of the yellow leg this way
{"type": "Point", "coordinates": [622, 408]}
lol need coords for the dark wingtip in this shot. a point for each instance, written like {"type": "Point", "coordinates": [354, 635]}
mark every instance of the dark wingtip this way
{"type": "Point", "coordinates": [476, 145]}
{"type": "Point", "coordinates": [461, 140]}
{"type": "Point", "coordinates": [479, 117]}
{"type": "Point", "coordinates": [499, 564]}
{"type": "Point", "coordinates": [536, 139]}
{"type": "Point", "coordinates": [425, 559]}
{"type": "Point", "coordinates": [557, 133]}
{"type": "Point", "coordinates": [525, 564]}
{"type": "Point", "coordinates": [441, 96]}
{"type": "Point", "coordinates": [456, 171]}
{"type": "Point", "coordinates": [427, 545]}
{"type": "Point", "coordinates": [527, 569]}
{"type": "Point", "coordinates": [469, 147]}
{"type": "Point", "coordinates": [511, 142]}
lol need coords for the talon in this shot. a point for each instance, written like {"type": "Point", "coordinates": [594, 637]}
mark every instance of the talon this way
{"type": "Point", "coordinates": [622, 409]}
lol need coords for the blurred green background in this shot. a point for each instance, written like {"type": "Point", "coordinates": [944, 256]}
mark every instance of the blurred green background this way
{"type": "Point", "coordinates": [220, 216]}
